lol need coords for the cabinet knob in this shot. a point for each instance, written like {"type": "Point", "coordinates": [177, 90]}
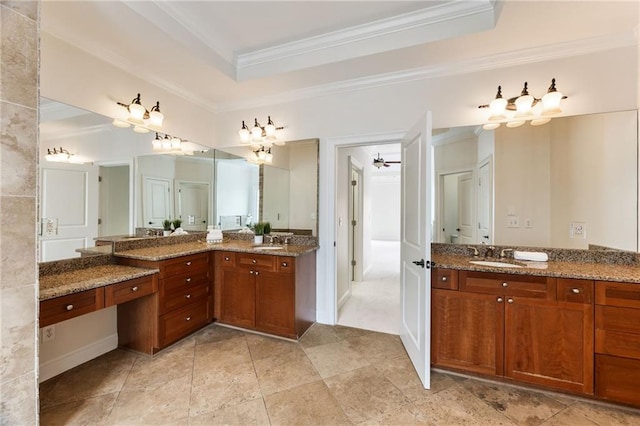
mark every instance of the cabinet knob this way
{"type": "Point", "coordinates": [509, 300]}
{"type": "Point", "coordinates": [187, 296]}
{"type": "Point", "coordinates": [444, 278]}
{"type": "Point", "coordinates": [189, 263]}
{"type": "Point", "coordinates": [505, 284]}
{"type": "Point", "coordinates": [254, 261]}
{"type": "Point", "coordinates": [135, 288]}
{"type": "Point", "coordinates": [257, 273]}
{"type": "Point", "coordinates": [187, 319]}
{"type": "Point", "coordinates": [69, 307]}
{"type": "Point", "coordinates": [499, 299]}
{"type": "Point", "coordinates": [188, 280]}
{"type": "Point", "coordinates": [285, 264]}
{"type": "Point", "coordinates": [575, 290]}
{"type": "Point", "coordinates": [227, 258]}
{"type": "Point", "coordinates": [251, 272]}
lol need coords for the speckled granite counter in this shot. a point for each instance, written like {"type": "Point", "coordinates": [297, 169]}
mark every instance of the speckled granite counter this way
{"type": "Point", "coordinates": [579, 270]}
{"type": "Point", "coordinates": [68, 282]}
{"type": "Point", "coordinates": [157, 253]}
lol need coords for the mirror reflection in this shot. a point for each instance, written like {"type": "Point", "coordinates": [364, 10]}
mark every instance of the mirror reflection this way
{"type": "Point", "coordinates": [571, 183]}
{"type": "Point", "coordinates": [112, 184]}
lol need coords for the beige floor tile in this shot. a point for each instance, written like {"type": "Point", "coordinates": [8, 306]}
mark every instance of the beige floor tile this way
{"type": "Point", "coordinates": [248, 413]}
{"type": "Point", "coordinates": [283, 372]}
{"type": "Point", "coordinates": [264, 347]}
{"type": "Point", "coordinates": [378, 347]}
{"type": "Point", "coordinates": [158, 405]}
{"type": "Point", "coordinates": [520, 405]}
{"type": "Point", "coordinates": [310, 404]}
{"type": "Point", "coordinates": [222, 386]}
{"type": "Point", "coordinates": [175, 363]}
{"type": "Point", "coordinates": [319, 334]}
{"type": "Point", "coordinates": [364, 394]}
{"type": "Point", "coordinates": [103, 375]}
{"type": "Point", "coordinates": [456, 406]}
{"type": "Point", "coordinates": [406, 415]}
{"type": "Point", "coordinates": [335, 358]}
{"type": "Point", "coordinates": [225, 352]}
{"type": "Point", "coordinates": [216, 333]}
{"type": "Point", "coordinates": [582, 413]}
{"type": "Point", "coordinates": [91, 411]}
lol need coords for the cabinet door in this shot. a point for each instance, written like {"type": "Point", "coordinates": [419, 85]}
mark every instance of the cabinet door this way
{"type": "Point", "coordinates": [549, 343]}
{"type": "Point", "coordinates": [467, 331]}
{"type": "Point", "coordinates": [275, 303]}
{"type": "Point", "coordinates": [238, 295]}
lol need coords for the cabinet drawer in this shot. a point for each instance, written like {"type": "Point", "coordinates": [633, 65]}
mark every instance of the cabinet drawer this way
{"type": "Point", "coordinates": [180, 323]}
{"type": "Point", "coordinates": [618, 379]}
{"type": "Point", "coordinates": [286, 265]}
{"type": "Point", "coordinates": [184, 265]}
{"type": "Point", "coordinates": [618, 331]}
{"type": "Point", "coordinates": [70, 306]}
{"type": "Point", "coordinates": [183, 281]}
{"type": "Point", "coordinates": [183, 296]}
{"type": "Point", "coordinates": [576, 291]}
{"type": "Point", "coordinates": [226, 259]}
{"type": "Point", "coordinates": [618, 294]}
{"type": "Point", "coordinates": [256, 261]}
{"type": "Point", "coordinates": [130, 290]}
{"type": "Point", "coordinates": [507, 284]}
{"type": "Point", "coordinates": [446, 279]}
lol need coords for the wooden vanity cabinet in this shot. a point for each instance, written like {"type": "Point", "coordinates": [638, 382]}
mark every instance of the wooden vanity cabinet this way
{"type": "Point", "coordinates": [70, 306]}
{"type": "Point", "coordinates": [272, 294]}
{"type": "Point", "coordinates": [513, 325]}
{"type": "Point", "coordinates": [617, 347]}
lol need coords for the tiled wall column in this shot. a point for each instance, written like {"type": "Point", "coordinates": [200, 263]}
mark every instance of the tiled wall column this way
{"type": "Point", "coordinates": [19, 35]}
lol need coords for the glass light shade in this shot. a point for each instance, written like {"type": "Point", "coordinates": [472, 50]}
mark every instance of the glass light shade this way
{"type": "Point", "coordinates": [156, 144]}
{"type": "Point", "coordinates": [137, 111]}
{"type": "Point", "coordinates": [140, 129]}
{"type": "Point", "coordinates": [166, 144]}
{"type": "Point", "coordinates": [516, 123]}
{"type": "Point", "coordinates": [540, 121]}
{"type": "Point", "coordinates": [551, 102]}
{"type": "Point", "coordinates": [120, 123]}
{"type": "Point", "coordinates": [269, 158]}
{"type": "Point", "coordinates": [175, 143]}
{"type": "Point", "coordinates": [491, 126]}
{"type": "Point", "coordinates": [156, 118]}
{"type": "Point", "coordinates": [49, 156]}
{"type": "Point", "coordinates": [256, 132]}
{"type": "Point", "coordinates": [270, 130]}
{"type": "Point", "coordinates": [245, 135]}
{"type": "Point", "coordinates": [262, 155]}
{"type": "Point", "coordinates": [497, 108]}
{"type": "Point", "coordinates": [523, 104]}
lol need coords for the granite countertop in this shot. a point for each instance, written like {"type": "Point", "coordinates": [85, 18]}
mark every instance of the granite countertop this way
{"type": "Point", "coordinates": [157, 253]}
{"type": "Point", "coordinates": [64, 283]}
{"type": "Point", "coordinates": [577, 270]}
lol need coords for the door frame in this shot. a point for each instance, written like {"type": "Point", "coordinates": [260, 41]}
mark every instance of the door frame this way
{"type": "Point", "coordinates": [439, 192]}
{"type": "Point", "coordinates": [132, 195]}
{"type": "Point", "coordinates": [326, 271]}
{"type": "Point", "coordinates": [177, 200]}
{"type": "Point", "coordinates": [356, 239]}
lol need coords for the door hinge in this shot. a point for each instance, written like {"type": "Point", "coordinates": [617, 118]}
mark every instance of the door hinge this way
{"type": "Point", "coordinates": [99, 221]}
{"type": "Point", "coordinates": [354, 182]}
{"type": "Point", "coordinates": [353, 263]}
{"type": "Point", "coordinates": [99, 179]}
{"type": "Point", "coordinates": [353, 223]}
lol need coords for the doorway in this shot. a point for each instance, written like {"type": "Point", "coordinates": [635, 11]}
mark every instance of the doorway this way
{"type": "Point", "coordinates": [114, 201]}
{"type": "Point", "coordinates": [369, 277]}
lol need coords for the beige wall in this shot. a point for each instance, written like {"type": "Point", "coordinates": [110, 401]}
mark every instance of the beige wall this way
{"type": "Point", "coordinates": [18, 182]}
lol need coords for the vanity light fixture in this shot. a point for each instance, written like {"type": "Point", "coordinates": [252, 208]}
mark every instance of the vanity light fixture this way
{"type": "Point", "coordinates": [519, 109]}
{"type": "Point", "coordinates": [259, 135]}
{"type": "Point", "coordinates": [59, 155]}
{"type": "Point", "coordinates": [169, 144]}
{"type": "Point", "coordinates": [138, 115]}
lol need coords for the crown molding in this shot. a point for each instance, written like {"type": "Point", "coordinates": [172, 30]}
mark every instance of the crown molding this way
{"type": "Point", "coordinates": [486, 63]}
{"type": "Point", "coordinates": [409, 29]}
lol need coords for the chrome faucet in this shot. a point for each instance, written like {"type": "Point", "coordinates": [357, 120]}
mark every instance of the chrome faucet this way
{"type": "Point", "coordinates": [503, 253]}
{"type": "Point", "coordinates": [489, 252]}
{"type": "Point", "coordinates": [475, 250]}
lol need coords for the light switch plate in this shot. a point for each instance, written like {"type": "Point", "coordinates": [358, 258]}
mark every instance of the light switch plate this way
{"type": "Point", "coordinates": [513, 222]}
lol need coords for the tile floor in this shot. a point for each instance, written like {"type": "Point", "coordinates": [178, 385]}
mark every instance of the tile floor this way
{"type": "Point", "coordinates": [333, 376]}
{"type": "Point", "coordinates": [375, 302]}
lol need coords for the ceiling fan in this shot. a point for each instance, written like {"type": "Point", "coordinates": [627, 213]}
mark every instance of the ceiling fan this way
{"type": "Point", "coordinates": [379, 162]}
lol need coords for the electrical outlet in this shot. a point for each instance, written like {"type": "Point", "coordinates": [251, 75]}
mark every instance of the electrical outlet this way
{"type": "Point", "coordinates": [513, 222]}
{"type": "Point", "coordinates": [48, 333]}
{"type": "Point", "coordinates": [578, 230]}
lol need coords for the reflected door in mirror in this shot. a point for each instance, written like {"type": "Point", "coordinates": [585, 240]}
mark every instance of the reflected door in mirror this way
{"type": "Point", "coordinates": [193, 205]}
{"type": "Point", "coordinates": [156, 201]}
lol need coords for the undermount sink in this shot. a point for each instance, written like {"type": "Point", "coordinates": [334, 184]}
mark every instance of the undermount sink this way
{"type": "Point", "coordinates": [268, 248]}
{"type": "Point", "coordinates": [494, 264]}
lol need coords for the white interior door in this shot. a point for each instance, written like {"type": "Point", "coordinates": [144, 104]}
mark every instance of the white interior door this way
{"type": "Point", "coordinates": [356, 237]}
{"type": "Point", "coordinates": [193, 205]}
{"type": "Point", "coordinates": [69, 209]}
{"type": "Point", "coordinates": [466, 216]}
{"type": "Point", "coordinates": [415, 247]}
{"type": "Point", "coordinates": [156, 206]}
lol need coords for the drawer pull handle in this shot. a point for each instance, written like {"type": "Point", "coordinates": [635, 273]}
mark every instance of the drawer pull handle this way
{"type": "Point", "coordinates": [499, 299]}
{"type": "Point", "coordinates": [509, 300]}
{"type": "Point", "coordinates": [254, 261]}
{"type": "Point", "coordinates": [188, 279]}
{"type": "Point", "coordinates": [227, 258]}
{"type": "Point", "coordinates": [188, 319]}
{"type": "Point", "coordinates": [444, 278]}
{"type": "Point", "coordinates": [251, 272]}
{"type": "Point", "coordinates": [187, 296]}
{"type": "Point", "coordinates": [69, 307]}
{"type": "Point", "coordinates": [257, 273]}
{"type": "Point", "coordinates": [189, 263]}
{"type": "Point", "coordinates": [505, 284]}
{"type": "Point", "coordinates": [575, 290]}
{"type": "Point", "coordinates": [134, 288]}
{"type": "Point", "coordinates": [285, 264]}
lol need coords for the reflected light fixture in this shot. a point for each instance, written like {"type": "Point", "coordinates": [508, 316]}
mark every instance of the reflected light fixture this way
{"type": "Point", "coordinates": [262, 155]}
{"type": "Point", "coordinates": [59, 155]}
{"type": "Point", "coordinates": [137, 115]}
{"type": "Point", "coordinates": [169, 144]}
{"type": "Point", "coordinates": [518, 110]}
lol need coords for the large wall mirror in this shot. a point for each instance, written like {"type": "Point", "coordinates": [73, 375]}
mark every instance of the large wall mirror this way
{"type": "Point", "coordinates": [572, 183]}
{"type": "Point", "coordinates": [115, 183]}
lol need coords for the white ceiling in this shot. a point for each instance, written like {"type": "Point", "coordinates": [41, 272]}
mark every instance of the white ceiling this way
{"type": "Point", "coordinates": [229, 54]}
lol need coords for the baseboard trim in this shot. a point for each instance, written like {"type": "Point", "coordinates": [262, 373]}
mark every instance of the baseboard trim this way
{"type": "Point", "coordinates": [86, 353]}
{"type": "Point", "coordinates": [344, 298]}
